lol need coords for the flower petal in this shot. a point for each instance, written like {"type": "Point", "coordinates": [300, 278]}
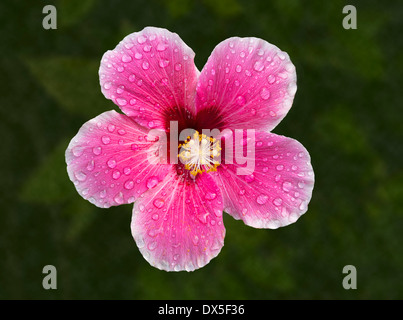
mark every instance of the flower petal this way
{"type": "Point", "coordinates": [246, 83]}
{"type": "Point", "coordinates": [277, 193]}
{"type": "Point", "coordinates": [111, 160]}
{"type": "Point", "coordinates": [150, 75]}
{"type": "Point", "coordinates": [178, 225]}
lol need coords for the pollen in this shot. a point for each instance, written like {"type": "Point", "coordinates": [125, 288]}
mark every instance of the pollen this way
{"type": "Point", "coordinates": [200, 153]}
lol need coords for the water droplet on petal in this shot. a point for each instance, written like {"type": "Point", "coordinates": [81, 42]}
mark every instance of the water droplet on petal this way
{"type": "Point", "coordinates": [119, 198]}
{"type": "Point", "coordinates": [115, 174]}
{"type": "Point", "coordinates": [240, 100]}
{"type": "Point", "coordinates": [152, 245]}
{"type": "Point", "coordinates": [129, 184]}
{"type": "Point", "coordinates": [277, 202]}
{"type": "Point", "coordinates": [159, 203]}
{"type": "Point", "coordinates": [78, 150]}
{"type": "Point", "coordinates": [138, 55]}
{"type": "Point", "coordinates": [178, 66]}
{"type": "Point", "coordinates": [122, 102]}
{"type": "Point", "coordinates": [262, 199]}
{"type": "Point", "coordinates": [111, 128]}
{"type": "Point", "coordinates": [105, 139]}
{"type": "Point", "coordinates": [162, 47]}
{"type": "Point", "coordinates": [107, 85]}
{"type": "Point", "coordinates": [287, 186]}
{"type": "Point", "coordinates": [97, 150]}
{"type": "Point", "coordinates": [301, 184]}
{"type": "Point", "coordinates": [258, 66]}
{"type": "Point", "coordinates": [126, 58]}
{"type": "Point", "coordinates": [163, 63]}
{"type": "Point", "coordinates": [80, 176]}
{"type": "Point", "coordinates": [271, 79]}
{"type": "Point", "coordinates": [281, 55]}
{"type": "Point", "coordinates": [279, 167]}
{"type": "Point", "coordinates": [249, 178]}
{"type": "Point", "coordinates": [238, 68]}
{"type": "Point", "coordinates": [141, 39]}
{"type": "Point", "coordinates": [152, 182]}
{"type": "Point", "coordinates": [90, 165]}
{"type": "Point", "coordinates": [155, 217]}
{"type": "Point", "coordinates": [210, 196]}
{"type": "Point", "coordinates": [145, 65]}
{"type": "Point", "coordinates": [111, 163]}
{"type": "Point", "coordinates": [264, 93]}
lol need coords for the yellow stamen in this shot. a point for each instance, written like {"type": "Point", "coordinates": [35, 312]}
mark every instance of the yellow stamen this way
{"type": "Point", "coordinates": [200, 153]}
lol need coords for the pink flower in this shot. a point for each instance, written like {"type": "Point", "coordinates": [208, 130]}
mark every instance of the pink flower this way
{"type": "Point", "coordinates": [177, 223]}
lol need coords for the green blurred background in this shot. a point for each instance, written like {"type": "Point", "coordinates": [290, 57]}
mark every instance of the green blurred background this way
{"type": "Point", "coordinates": [347, 113]}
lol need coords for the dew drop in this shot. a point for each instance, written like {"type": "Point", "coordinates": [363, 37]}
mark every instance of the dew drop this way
{"type": "Point", "coordinates": [287, 186]}
{"type": "Point", "coordinates": [240, 100]}
{"type": "Point", "coordinates": [119, 198]}
{"type": "Point", "coordinates": [97, 150]}
{"type": "Point", "coordinates": [271, 79]}
{"type": "Point", "coordinates": [238, 68]}
{"type": "Point", "coordinates": [277, 202]}
{"type": "Point", "coordinates": [107, 85]}
{"type": "Point", "coordinates": [155, 217]}
{"type": "Point", "coordinates": [258, 66]}
{"type": "Point", "coordinates": [162, 47]}
{"type": "Point", "coordinates": [250, 178]}
{"type": "Point", "coordinates": [111, 163]}
{"type": "Point", "coordinates": [152, 182]}
{"type": "Point", "coordinates": [126, 58]}
{"type": "Point", "coordinates": [281, 55]}
{"type": "Point", "coordinates": [279, 167]}
{"type": "Point", "coordinates": [262, 199]}
{"type": "Point", "coordinates": [178, 66]}
{"type": "Point", "coordinates": [80, 176]}
{"type": "Point", "coordinates": [138, 55]}
{"type": "Point", "coordinates": [105, 139]}
{"type": "Point", "coordinates": [152, 245]}
{"type": "Point", "coordinates": [111, 128]}
{"type": "Point", "coordinates": [116, 174]}
{"type": "Point", "coordinates": [141, 39]}
{"type": "Point", "coordinates": [78, 150]}
{"type": "Point", "coordinates": [264, 93]}
{"type": "Point", "coordinates": [90, 165]}
{"type": "Point", "coordinates": [210, 196]}
{"type": "Point", "coordinates": [145, 65]}
{"type": "Point", "coordinates": [163, 63]}
{"type": "Point", "coordinates": [129, 184]}
{"type": "Point", "coordinates": [159, 203]}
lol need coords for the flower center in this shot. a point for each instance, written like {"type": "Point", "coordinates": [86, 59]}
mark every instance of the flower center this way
{"type": "Point", "coordinates": [199, 153]}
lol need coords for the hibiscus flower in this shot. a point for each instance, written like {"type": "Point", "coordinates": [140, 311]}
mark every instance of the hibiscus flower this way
{"type": "Point", "coordinates": [247, 84]}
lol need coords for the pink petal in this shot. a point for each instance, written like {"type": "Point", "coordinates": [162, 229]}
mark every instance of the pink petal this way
{"type": "Point", "coordinates": [107, 160]}
{"type": "Point", "coordinates": [149, 75]}
{"type": "Point", "coordinates": [248, 82]}
{"type": "Point", "coordinates": [178, 225]}
{"type": "Point", "coordinates": [278, 191]}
